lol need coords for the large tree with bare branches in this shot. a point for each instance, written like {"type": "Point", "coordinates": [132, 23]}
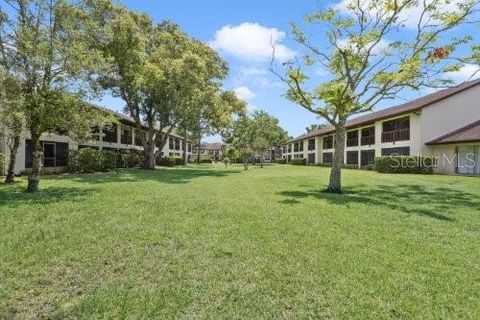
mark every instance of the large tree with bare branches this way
{"type": "Point", "coordinates": [370, 51]}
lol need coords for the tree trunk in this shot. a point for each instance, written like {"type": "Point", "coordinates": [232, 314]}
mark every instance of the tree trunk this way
{"type": "Point", "coordinates": [262, 159]}
{"type": "Point", "coordinates": [34, 177]}
{"type": "Point", "coordinates": [10, 178]}
{"type": "Point", "coordinates": [185, 160]}
{"type": "Point", "coordinates": [335, 184]}
{"type": "Point", "coordinates": [149, 149]}
{"type": "Point", "coordinates": [199, 147]}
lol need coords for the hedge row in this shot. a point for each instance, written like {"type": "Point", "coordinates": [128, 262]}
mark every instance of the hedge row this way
{"type": "Point", "coordinates": [404, 164]}
{"type": "Point", "coordinates": [91, 160]}
{"type": "Point", "coordinates": [299, 161]}
{"type": "Point", "coordinates": [281, 161]}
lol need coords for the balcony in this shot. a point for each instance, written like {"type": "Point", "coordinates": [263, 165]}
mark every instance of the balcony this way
{"type": "Point", "coordinates": [353, 142]}
{"type": "Point", "coordinates": [368, 140]}
{"type": "Point", "coordinates": [396, 135]}
{"type": "Point", "coordinates": [126, 140]}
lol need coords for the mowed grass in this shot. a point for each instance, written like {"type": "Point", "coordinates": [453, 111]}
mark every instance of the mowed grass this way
{"type": "Point", "coordinates": [208, 243]}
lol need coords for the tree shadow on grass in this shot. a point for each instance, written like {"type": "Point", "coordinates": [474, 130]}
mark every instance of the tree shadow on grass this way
{"type": "Point", "coordinates": [164, 175]}
{"type": "Point", "coordinates": [12, 197]}
{"type": "Point", "coordinates": [437, 203]}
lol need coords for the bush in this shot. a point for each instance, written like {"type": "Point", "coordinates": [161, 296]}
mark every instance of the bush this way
{"type": "Point", "coordinates": [178, 161]}
{"type": "Point", "coordinates": [299, 161]}
{"type": "Point", "coordinates": [404, 164]}
{"type": "Point", "coordinates": [206, 161]}
{"type": "Point", "coordinates": [280, 161]}
{"type": "Point", "coordinates": [90, 160]}
{"type": "Point", "coordinates": [129, 158]}
{"type": "Point", "coordinates": [2, 164]}
{"type": "Point", "coordinates": [325, 165]}
{"type": "Point", "coordinates": [167, 162]}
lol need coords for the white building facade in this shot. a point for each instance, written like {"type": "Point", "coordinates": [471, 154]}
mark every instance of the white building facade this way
{"type": "Point", "coordinates": [119, 136]}
{"type": "Point", "coordinates": [444, 124]}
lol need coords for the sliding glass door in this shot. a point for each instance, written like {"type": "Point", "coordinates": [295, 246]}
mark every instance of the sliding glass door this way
{"type": "Point", "coordinates": [468, 160]}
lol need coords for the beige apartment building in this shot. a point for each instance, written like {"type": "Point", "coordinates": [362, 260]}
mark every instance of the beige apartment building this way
{"type": "Point", "coordinates": [444, 124]}
{"type": "Point", "coordinates": [119, 136]}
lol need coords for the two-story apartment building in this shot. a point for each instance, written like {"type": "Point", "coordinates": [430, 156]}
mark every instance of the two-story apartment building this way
{"type": "Point", "coordinates": [119, 136]}
{"type": "Point", "coordinates": [214, 150]}
{"type": "Point", "coordinates": [444, 124]}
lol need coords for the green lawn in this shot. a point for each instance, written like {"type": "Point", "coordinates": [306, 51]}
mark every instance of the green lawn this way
{"type": "Point", "coordinates": [208, 242]}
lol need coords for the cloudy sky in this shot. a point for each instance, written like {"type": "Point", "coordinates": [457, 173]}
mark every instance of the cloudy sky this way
{"type": "Point", "coordinates": [243, 32]}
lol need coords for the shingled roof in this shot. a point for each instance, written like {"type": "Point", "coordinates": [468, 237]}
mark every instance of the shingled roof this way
{"type": "Point", "coordinates": [470, 133]}
{"type": "Point", "coordinates": [398, 110]}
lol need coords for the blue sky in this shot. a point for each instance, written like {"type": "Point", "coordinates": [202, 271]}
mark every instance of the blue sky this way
{"type": "Point", "coordinates": [241, 31]}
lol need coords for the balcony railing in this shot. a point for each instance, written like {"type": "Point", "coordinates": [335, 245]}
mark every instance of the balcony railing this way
{"type": "Point", "coordinates": [368, 140]}
{"type": "Point", "coordinates": [396, 135]}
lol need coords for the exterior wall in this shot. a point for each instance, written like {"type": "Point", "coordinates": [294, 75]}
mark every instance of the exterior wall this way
{"type": "Point", "coordinates": [414, 143]}
{"type": "Point", "coordinates": [448, 115]}
{"type": "Point", "coordinates": [73, 145]}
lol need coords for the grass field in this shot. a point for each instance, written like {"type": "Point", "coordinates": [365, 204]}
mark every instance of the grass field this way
{"type": "Point", "coordinates": [208, 242]}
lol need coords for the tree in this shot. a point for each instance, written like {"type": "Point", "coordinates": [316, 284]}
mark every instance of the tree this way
{"type": "Point", "coordinates": [49, 46]}
{"type": "Point", "coordinates": [315, 126]}
{"type": "Point", "coordinates": [266, 132]}
{"type": "Point", "coordinates": [254, 135]}
{"type": "Point", "coordinates": [370, 56]}
{"type": "Point", "coordinates": [12, 119]}
{"type": "Point", "coordinates": [163, 76]}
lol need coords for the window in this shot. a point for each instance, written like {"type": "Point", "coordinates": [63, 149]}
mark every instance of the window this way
{"type": "Point", "coordinates": [177, 144]}
{"type": "Point", "coordinates": [396, 130]}
{"type": "Point", "coordinates": [189, 147]}
{"type": "Point", "coordinates": [328, 142]}
{"type": "Point", "coordinates": [352, 138]}
{"type": "Point", "coordinates": [404, 151]}
{"type": "Point", "coordinates": [368, 136]}
{"type": "Point", "coordinates": [138, 139]}
{"type": "Point", "coordinates": [110, 133]}
{"type": "Point", "coordinates": [311, 158]}
{"type": "Point", "coordinates": [352, 157]}
{"type": "Point", "coordinates": [289, 158]}
{"type": "Point", "coordinates": [327, 157]}
{"type": "Point", "coordinates": [300, 146]}
{"type": "Point", "coordinates": [311, 144]}
{"type": "Point", "coordinates": [126, 137]}
{"type": "Point", "coordinates": [367, 157]}
{"type": "Point", "coordinates": [295, 147]}
{"type": "Point", "coordinates": [171, 143]}
{"type": "Point", "coordinates": [55, 154]}
{"type": "Point", "coordinates": [290, 148]}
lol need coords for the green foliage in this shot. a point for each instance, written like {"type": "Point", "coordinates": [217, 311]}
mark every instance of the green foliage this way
{"type": "Point", "coordinates": [404, 164]}
{"type": "Point", "coordinates": [167, 161]}
{"type": "Point", "coordinates": [129, 158]}
{"type": "Point", "coordinates": [89, 160]}
{"type": "Point", "coordinates": [281, 161]}
{"type": "Point", "coordinates": [178, 161]}
{"type": "Point", "coordinates": [299, 161]}
{"type": "Point", "coordinates": [206, 161]}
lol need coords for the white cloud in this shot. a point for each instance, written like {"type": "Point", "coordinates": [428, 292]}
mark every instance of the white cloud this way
{"type": "Point", "coordinates": [409, 17]}
{"type": "Point", "coordinates": [252, 42]}
{"type": "Point", "coordinates": [467, 72]}
{"type": "Point", "coordinates": [381, 46]}
{"type": "Point", "coordinates": [252, 71]}
{"type": "Point", "coordinates": [244, 93]}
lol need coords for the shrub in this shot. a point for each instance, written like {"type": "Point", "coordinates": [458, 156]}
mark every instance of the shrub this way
{"type": "Point", "coordinates": [206, 161]}
{"type": "Point", "coordinates": [167, 162]}
{"type": "Point", "coordinates": [2, 164]}
{"type": "Point", "coordinates": [299, 162]}
{"type": "Point", "coordinates": [325, 165]}
{"type": "Point", "coordinates": [90, 160]}
{"type": "Point", "coordinates": [404, 164]}
{"type": "Point", "coordinates": [281, 161]}
{"type": "Point", "coordinates": [130, 158]}
{"type": "Point", "coordinates": [178, 161]}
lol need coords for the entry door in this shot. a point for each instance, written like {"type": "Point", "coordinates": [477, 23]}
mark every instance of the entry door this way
{"type": "Point", "coordinates": [468, 158]}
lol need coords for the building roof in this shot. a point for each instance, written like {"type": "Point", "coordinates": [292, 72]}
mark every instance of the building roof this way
{"type": "Point", "coordinates": [131, 121]}
{"type": "Point", "coordinates": [398, 110]}
{"type": "Point", "coordinates": [213, 146]}
{"type": "Point", "coordinates": [469, 133]}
